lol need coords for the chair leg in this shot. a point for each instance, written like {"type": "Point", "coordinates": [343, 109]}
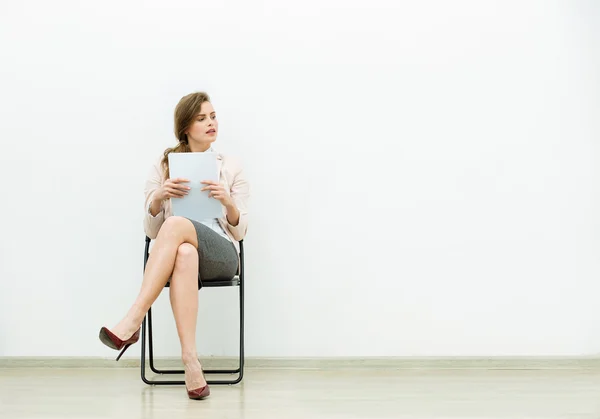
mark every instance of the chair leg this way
{"type": "Point", "coordinates": [143, 357]}
{"type": "Point", "coordinates": [151, 350]}
{"type": "Point", "coordinates": [150, 341]}
{"type": "Point", "coordinates": [148, 319]}
{"type": "Point", "coordinates": [240, 369]}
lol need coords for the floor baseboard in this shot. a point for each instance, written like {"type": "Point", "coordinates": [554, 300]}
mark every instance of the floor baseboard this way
{"type": "Point", "coordinates": [400, 363]}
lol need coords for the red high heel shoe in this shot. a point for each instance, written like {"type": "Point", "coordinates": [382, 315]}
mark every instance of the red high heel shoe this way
{"type": "Point", "coordinates": [113, 341]}
{"type": "Point", "coordinates": [199, 393]}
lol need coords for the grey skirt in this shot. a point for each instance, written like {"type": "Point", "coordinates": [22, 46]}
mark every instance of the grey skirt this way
{"type": "Point", "coordinates": [218, 256]}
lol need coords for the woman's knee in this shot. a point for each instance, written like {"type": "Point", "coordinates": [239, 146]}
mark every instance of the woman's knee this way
{"type": "Point", "coordinates": [175, 224]}
{"type": "Point", "coordinates": [179, 227]}
{"type": "Point", "coordinates": [187, 255]}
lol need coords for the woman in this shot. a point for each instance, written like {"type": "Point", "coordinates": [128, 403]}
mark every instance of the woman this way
{"type": "Point", "coordinates": [185, 249]}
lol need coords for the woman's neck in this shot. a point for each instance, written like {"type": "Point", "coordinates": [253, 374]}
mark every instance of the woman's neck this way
{"type": "Point", "coordinates": [199, 148]}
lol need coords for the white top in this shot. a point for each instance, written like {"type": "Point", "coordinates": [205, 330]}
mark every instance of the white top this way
{"type": "Point", "coordinates": [213, 224]}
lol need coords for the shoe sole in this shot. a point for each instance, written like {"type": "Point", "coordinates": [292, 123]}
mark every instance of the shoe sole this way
{"type": "Point", "coordinates": [106, 339]}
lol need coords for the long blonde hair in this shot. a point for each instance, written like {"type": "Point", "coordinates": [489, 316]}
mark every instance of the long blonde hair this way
{"type": "Point", "coordinates": [185, 113]}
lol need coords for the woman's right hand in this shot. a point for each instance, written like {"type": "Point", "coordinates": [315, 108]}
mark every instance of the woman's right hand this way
{"type": "Point", "coordinates": [172, 188]}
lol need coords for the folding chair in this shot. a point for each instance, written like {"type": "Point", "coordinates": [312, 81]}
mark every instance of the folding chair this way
{"type": "Point", "coordinates": [237, 281]}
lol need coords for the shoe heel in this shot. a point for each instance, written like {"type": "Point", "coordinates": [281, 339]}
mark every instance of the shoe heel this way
{"type": "Point", "coordinates": [123, 351]}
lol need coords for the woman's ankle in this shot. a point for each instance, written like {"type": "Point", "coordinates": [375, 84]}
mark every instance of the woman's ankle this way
{"type": "Point", "coordinates": [136, 315]}
{"type": "Point", "coordinates": [125, 328]}
{"type": "Point", "coordinates": [189, 358]}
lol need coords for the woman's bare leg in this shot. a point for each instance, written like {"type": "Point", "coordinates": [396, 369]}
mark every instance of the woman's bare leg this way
{"type": "Point", "coordinates": [184, 301]}
{"type": "Point", "coordinates": [174, 232]}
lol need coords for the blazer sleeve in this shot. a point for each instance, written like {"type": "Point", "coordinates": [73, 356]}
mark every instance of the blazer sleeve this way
{"type": "Point", "coordinates": [154, 181]}
{"type": "Point", "coordinates": [240, 194]}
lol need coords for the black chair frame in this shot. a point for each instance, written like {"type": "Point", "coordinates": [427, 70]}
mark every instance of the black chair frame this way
{"type": "Point", "coordinates": [237, 281]}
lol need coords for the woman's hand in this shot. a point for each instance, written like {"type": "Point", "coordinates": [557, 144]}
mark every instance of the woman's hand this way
{"type": "Point", "coordinates": [172, 188]}
{"type": "Point", "coordinates": [218, 192]}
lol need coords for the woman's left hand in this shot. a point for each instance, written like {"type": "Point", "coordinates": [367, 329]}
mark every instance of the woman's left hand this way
{"type": "Point", "coordinates": [217, 191]}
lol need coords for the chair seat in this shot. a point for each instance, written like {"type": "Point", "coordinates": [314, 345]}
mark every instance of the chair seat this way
{"type": "Point", "coordinates": [225, 282]}
{"type": "Point", "coordinates": [232, 282]}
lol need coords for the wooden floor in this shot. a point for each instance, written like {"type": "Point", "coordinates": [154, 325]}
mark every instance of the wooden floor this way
{"type": "Point", "coordinates": [290, 394]}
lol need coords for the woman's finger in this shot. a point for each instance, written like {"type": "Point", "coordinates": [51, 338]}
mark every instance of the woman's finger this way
{"type": "Point", "coordinates": [176, 192]}
{"type": "Point", "coordinates": [175, 184]}
{"type": "Point", "coordinates": [179, 180]}
{"type": "Point", "coordinates": [212, 188]}
{"type": "Point", "coordinates": [180, 187]}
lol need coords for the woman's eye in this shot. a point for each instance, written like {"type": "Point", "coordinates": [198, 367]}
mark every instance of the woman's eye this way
{"type": "Point", "coordinates": [201, 119]}
{"type": "Point", "coordinates": [214, 117]}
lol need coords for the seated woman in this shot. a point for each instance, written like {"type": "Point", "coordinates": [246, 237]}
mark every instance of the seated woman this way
{"type": "Point", "coordinates": [185, 249]}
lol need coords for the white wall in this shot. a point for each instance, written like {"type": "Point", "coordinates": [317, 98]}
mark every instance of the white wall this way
{"type": "Point", "coordinates": [424, 174]}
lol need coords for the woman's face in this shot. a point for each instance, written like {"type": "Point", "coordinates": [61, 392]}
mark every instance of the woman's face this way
{"type": "Point", "coordinates": [205, 127]}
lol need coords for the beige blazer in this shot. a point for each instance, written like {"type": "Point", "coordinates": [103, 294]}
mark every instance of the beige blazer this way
{"type": "Point", "coordinates": [231, 176]}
